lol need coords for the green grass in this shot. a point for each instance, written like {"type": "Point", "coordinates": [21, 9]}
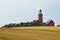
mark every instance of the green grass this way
{"type": "Point", "coordinates": [30, 33]}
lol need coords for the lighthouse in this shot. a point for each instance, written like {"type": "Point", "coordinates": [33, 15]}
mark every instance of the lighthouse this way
{"type": "Point", "coordinates": [40, 16]}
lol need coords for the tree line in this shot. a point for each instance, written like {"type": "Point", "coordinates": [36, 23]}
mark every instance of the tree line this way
{"type": "Point", "coordinates": [22, 24]}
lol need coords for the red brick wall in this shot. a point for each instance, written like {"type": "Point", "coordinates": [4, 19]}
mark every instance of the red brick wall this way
{"type": "Point", "coordinates": [40, 19]}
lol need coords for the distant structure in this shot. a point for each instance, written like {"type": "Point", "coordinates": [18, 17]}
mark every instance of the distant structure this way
{"type": "Point", "coordinates": [38, 22]}
{"type": "Point", "coordinates": [40, 17]}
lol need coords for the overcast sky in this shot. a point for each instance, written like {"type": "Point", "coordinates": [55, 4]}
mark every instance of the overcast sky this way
{"type": "Point", "coordinates": [16, 11]}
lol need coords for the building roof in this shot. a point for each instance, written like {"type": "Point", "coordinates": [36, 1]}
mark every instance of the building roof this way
{"type": "Point", "coordinates": [50, 21]}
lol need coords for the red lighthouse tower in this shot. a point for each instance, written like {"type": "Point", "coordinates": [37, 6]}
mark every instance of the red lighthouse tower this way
{"type": "Point", "coordinates": [40, 16]}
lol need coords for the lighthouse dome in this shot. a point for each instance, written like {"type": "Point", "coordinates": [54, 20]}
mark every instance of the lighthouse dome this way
{"type": "Point", "coordinates": [40, 12]}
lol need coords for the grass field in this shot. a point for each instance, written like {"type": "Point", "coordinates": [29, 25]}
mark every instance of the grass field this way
{"type": "Point", "coordinates": [30, 33]}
